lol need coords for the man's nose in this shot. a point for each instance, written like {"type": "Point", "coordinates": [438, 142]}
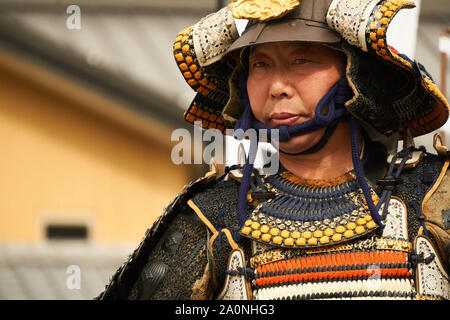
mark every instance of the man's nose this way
{"type": "Point", "coordinates": [281, 87]}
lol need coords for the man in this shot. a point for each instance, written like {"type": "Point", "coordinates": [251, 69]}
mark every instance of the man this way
{"type": "Point", "coordinates": [342, 218]}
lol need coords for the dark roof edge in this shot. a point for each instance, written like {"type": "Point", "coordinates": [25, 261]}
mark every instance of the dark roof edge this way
{"type": "Point", "coordinates": [29, 45]}
{"type": "Point", "coordinates": [180, 7]}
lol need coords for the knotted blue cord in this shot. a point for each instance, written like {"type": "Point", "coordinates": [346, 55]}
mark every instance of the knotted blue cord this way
{"type": "Point", "coordinates": [335, 98]}
{"type": "Point", "coordinates": [420, 216]}
{"type": "Point", "coordinates": [387, 190]}
{"type": "Point", "coordinates": [359, 171]}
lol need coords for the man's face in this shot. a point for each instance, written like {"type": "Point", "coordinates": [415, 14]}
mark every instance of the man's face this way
{"type": "Point", "coordinates": [285, 83]}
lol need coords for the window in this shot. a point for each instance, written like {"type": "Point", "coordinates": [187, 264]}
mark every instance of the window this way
{"type": "Point", "coordinates": [66, 232]}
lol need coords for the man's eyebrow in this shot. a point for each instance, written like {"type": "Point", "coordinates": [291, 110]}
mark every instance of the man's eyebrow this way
{"type": "Point", "coordinates": [254, 49]}
{"type": "Point", "coordinates": [257, 51]}
{"type": "Point", "coordinates": [304, 48]}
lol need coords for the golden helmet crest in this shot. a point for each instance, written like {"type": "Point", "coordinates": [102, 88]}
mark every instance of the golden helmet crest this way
{"type": "Point", "coordinates": [262, 10]}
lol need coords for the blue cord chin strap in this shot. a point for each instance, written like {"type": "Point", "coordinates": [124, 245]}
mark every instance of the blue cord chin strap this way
{"type": "Point", "coordinates": [335, 99]}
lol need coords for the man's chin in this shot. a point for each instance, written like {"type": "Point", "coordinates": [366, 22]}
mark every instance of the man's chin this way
{"type": "Point", "coordinates": [292, 149]}
{"type": "Point", "coordinates": [300, 144]}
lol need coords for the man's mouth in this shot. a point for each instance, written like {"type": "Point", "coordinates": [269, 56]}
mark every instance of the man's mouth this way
{"type": "Point", "coordinates": [284, 119]}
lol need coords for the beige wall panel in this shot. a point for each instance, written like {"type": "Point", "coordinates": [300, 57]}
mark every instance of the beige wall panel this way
{"type": "Point", "coordinates": [59, 163]}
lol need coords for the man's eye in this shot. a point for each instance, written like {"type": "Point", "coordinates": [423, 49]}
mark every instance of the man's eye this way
{"type": "Point", "coordinates": [259, 64]}
{"type": "Point", "coordinates": [301, 61]}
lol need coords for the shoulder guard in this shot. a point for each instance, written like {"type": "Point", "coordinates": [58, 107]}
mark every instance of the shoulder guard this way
{"type": "Point", "coordinates": [122, 281]}
{"type": "Point", "coordinates": [415, 182]}
{"type": "Point", "coordinates": [216, 206]}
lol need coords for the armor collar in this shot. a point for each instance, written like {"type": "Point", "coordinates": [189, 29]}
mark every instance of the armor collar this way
{"type": "Point", "coordinates": [309, 213]}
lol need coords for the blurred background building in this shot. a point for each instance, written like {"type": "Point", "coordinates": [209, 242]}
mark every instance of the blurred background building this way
{"type": "Point", "coordinates": [86, 117]}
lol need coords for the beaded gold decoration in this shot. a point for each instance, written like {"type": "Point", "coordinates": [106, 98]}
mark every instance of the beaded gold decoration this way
{"type": "Point", "coordinates": [267, 257]}
{"type": "Point", "coordinates": [310, 216]}
{"type": "Point", "coordinates": [307, 238]}
{"type": "Point", "coordinates": [262, 10]}
{"type": "Point", "coordinates": [194, 76]}
{"type": "Point", "coordinates": [393, 244]}
{"type": "Point", "coordinates": [380, 19]}
{"type": "Point", "coordinates": [209, 118]}
{"type": "Point", "coordinates": [187, 63]}
{"type": "Point", "coordinates": [340, 247]}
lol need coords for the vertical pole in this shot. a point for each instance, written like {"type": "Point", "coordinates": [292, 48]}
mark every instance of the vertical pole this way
{"type": "Point", "coordinates": [445, 33]}
{"type": "Point", "coordinates": [443, 89]}
{"type": "Point", "coordinates": [220, 4]}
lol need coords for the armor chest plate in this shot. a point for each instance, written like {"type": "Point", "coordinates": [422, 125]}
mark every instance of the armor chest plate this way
{"type": "Point", "coordinates": [366, 268]}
